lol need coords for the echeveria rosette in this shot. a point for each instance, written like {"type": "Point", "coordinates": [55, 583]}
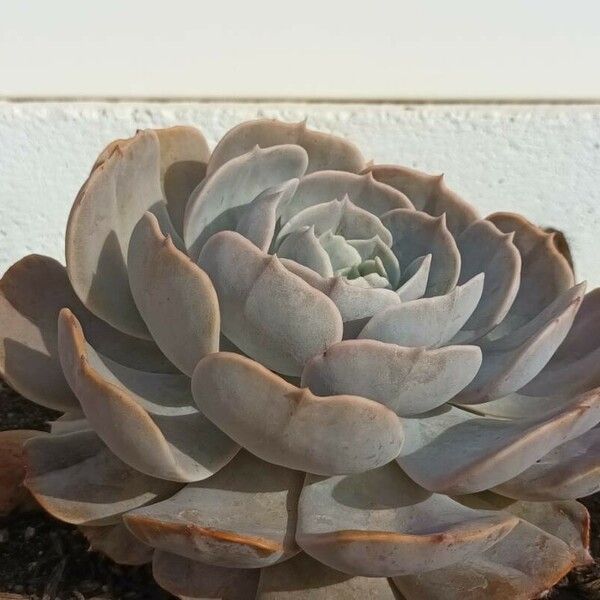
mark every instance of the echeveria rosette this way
{"type": "Point", "coordinates": [286, 373]}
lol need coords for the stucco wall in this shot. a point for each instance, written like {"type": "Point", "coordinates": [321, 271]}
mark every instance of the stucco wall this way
{"type": "Point", "coordinates": [543, 161]}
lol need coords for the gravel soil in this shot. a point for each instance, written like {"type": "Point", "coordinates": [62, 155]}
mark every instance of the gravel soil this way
{"type": "Point", "coordinates": [44, 559]}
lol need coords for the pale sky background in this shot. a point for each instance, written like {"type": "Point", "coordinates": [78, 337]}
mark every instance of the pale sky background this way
{"type": "Point", "coordinates": [395, 49]}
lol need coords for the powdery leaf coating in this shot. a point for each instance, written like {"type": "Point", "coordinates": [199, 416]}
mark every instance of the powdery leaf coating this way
{"type": "Point", "coordinates": [290, 426]}
{"type": "Point", "coordinates": [242, 517]}
{"type": "Point", "coordinates": [380, 524]}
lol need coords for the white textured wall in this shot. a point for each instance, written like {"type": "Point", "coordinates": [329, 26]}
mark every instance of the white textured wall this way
{"type": "Point", "coordinates": [543, 161]}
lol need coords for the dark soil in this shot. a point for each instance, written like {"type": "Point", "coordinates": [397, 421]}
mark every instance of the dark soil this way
{"type": "Point", "coordinates": [44, 559]}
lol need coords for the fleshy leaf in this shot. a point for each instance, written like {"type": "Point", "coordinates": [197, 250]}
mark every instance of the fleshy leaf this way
{"type": "Point", "coordinates": [380, 523]}
{"type": "Point", "coordinates": [13, 493]}
{"type": "Point", "coordinates": [113, 199]}
{"type": "Point", "coordinates": [355, 304]}
{"type": "Point", "coordinates": [426, 322]}
{"type": "Point", "coordinates": [362, 190]}
{"type": "Point", "coordinates": [521, 566]}
{"type": "Point", "coordinates": [452, 451]}
{"type": "Point", "coordinates": [428, 193]}
{"type": "Point", "coordinates": [77, 479]}
{"type": "Point", "coordinates": [216, 204]}
{"type": "Point", "coordinates": [409, 381]}
{"type": "Point", "coordinates": [340, 216]}
{"type": "Point", "coordinates": [257, 221]}
{"type": "Point", "coordinates": [159, 432]}
{"type": "Point", "coordinates": [417, 234]}
{"type": "Point", "coordinates": [242, 517]}
{"type": "Point", "coordinates": [32, 292]}
{"type": "Point", "coordinates": [302, 246]}
{"type": "Point", "coordinates": [304, 577]}
{"type": "Point", "coordinates": [375, 247]}
{"type": "Point", "coordinates": [183, 157]}
{"type": "Point", "coordinates": [574, 366]}
{"type": "Point", "coordinates": [116, 542]}
{"type": "Point", "coordinates": [324, 150]}
{"type": "Point", "coordinates": [193, 580]}
{"type": "Point", "coordinates": [514, 360]}
{"type": "Point", "coordinates": [572, 470]}
{"type": "Point", "coordinates": [545, 272]}
{"type": "Point", "coordinates": [174, 296]}
{"type": "Point", "coordinates": [290, 426]}
{"type": "Point", "coordinates": [484, 249]}
{"type": "Point", "coordinates": [266, 311]}
{"type": "Point", "coordinates": [414, 279]}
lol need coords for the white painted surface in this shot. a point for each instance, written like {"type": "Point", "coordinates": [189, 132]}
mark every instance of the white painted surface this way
{"type": "Point", "coordinates": [541, 161]}
{"type": "Point", "coordinates": [309, 48]}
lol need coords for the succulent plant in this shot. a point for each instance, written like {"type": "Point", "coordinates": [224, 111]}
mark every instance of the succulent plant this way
{"type": "Point", "coordinates": [286, 373]}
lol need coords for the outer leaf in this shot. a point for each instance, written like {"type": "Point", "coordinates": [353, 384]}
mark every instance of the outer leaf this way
{"type": "Point", "coordinates": [572, 470]}
{"type": "Point", "coordinates": [574, 366]}
{"type": "Point", "coordinates": [288, 426]}
{"type": "Point", "coordinates": [32, 292]}
{"type": "Point", "coordinates": [13, 494]}
{"type": "Point", "coordinates": [114, 198]}
{"type": "Point", "coordinates": [192, 580]}
{"type": "Point", "coordinates": [521, 566]}
{"type": "Point", "coordinates": [325, 151]}
{"type": "Point", "coordinates": [77, 479]}
{"type": "Point", "coordinates": [380, 523]}
{"type": "Point", "coordinates": [512, 361]}
{"type": "Point", "coordinates": [268, 313]}
{"type": "Point", "coordinates": [407, 380]}
{"type": "Point", "coordinates": [116, 542]}
{"type": "Point", "coordinates": [545, 272]}
{"type": "Point", "coordinates": [183, 157]}
{"type": "Point", "coordinates": [303, 577]}
{"type": "Point", "coordinates": [242, 517]}
{"type": "Point", "coordinates": [175, 297]}
{"type": "Point", "coordinates": [158, 432]}
{"type": "Point", "coordinates": [484, 249]}
{"type": "Point", "coordinates": [456, 452]}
